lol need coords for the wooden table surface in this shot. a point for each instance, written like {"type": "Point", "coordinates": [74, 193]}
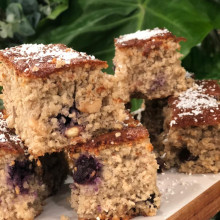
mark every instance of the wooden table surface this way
{"type": "Point", "coordinates": [203, 207]}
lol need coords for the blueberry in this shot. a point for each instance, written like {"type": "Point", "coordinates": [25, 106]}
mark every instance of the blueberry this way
{"type": "Point", "coordinates": [157, 83]}
{"type": "Point", "coordinates": [185, 155]}
{"type": "Point", "coordinates": [151, 198]}
{"type": "Point", "coordinates": [67, 122]}
{"type": "Point", "coordinates": [86, 169]}
{"type": "Point", "coordinates": [19, 172]}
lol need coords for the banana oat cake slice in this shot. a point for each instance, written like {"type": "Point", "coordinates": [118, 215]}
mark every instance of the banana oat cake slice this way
{"type": "Point", "coordinates": [147, 64]}
{"type": "Point", "coordinates": [115, 176]}
{"type": "Point", "coordinates": [55, 96]}
{"type": "Point", "coordinates": [26, 183]}
{"type": "Point", "coordinates": [191, 137]}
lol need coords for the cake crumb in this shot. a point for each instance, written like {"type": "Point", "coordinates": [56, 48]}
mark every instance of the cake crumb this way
{"type": "Point", "coordinates": [118, 134]}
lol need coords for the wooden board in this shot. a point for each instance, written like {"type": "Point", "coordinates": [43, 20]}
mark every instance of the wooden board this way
{"type": "Point", "coordinates": [204, 206]}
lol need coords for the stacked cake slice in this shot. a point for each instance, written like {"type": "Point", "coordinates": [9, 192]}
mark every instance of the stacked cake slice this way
{"type": "Point", "coordinates": [24, 183]}
{"type": "Point", "coordinates": [191, 137]}
{"type": "Point", "coordinates": [56, 96]}
{"type": "Point", "coordinates": [115, 176]}
{"type": "Point", "coordinates": [147, 64]}
{"type": "Point", "coordinates": [183, 125]}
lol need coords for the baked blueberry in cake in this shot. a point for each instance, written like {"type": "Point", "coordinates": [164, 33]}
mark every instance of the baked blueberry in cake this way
{"type": "Point", "coordinates": [147, 64]}
{"type": "Point", "coordinates": [115, 176]}
{"type": "Point", "coordinates": [26, 183]}
{"type": "Point", "coordinates": [191, 137]}
{"type": "Point", "coordinates": [56, 96]}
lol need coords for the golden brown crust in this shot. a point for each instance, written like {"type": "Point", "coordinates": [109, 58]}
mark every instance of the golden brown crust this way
{"type": "Point", "coordinates": [127, 136]}
{"type": "Point", "coordinates": [148, 43]}
{"type": "Point", "coordinates": [204, 108]}
{"type": "Point", "coordinates": [40, 61]}
{"type": "Point", "coordinates": [211, 87]}
{"type": "Point", "coordinates": [10, 148]}
{"type": "Point", "coordinates": [197, 120]}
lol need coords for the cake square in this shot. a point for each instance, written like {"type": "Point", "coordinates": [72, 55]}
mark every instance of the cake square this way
{"type": "Point", "coordinates": [26, 183]}
{"type": "Point", "coordinates": [147, 64]}
{"type": "Point", "coordinates": [115, 176]}
{"type": "Point", "coordinates": [55, 96]}
{"type": "Point", "coordinates": [191, 137]}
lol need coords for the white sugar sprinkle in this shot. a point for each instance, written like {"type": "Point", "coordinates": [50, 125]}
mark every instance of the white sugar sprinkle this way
{"type": "Point", "coordinates": [30, 53]}
{"type": "Point", "coordinates": [193, 101]}
{"type": "Point", "coordinates": [2, 138]}
{"type": "Point", "coordinates": [142, 35]}
{"type": "Point", "coordinates": [172, 122]}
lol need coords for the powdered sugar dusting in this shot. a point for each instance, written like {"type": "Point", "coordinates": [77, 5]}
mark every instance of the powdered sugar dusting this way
{"type": "Point", "coordinates": [193, 102]}
{"type": "Point", "coordinates": [196, 99]}
{"type": "Point", "coordinates": [142, 35]}
{"type": "Point", "coordinates": [35, 57]}
{"type": "Point", "coordinates": [2, 138]}
{"type": "Point", "coordinates": [30, 52]}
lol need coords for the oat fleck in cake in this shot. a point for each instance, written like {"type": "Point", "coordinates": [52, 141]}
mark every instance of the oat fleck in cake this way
{"type": "Point", "coordinates": [56, 96]}
{"type": "Point", "coordinates": [115, 176]}
{"type": "Point", "coordinates": [25, 184]}
{"type": "Point", "coordinates": [147, 64]}
{"type": "Point", "coordinates": [191, 138]}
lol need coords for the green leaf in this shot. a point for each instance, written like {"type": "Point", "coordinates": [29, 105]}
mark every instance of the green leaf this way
{"type": "Point", "coordinates": [14, 13]}
{"type": "Point", "coordinates": [29, 6]}
{"type": "Point", "coordinates": [100, 21]}
{"type": "Point", "coordinates": [61, 7]}
{"type": "Point", "coordinates": [204, 59]}
{"type": "Point", "coordinates": [20, 23]}
{"type": "Point", "coordinates": [1, 104]}
{"type": "Point", "coordinates": [5, 30]}
{"type": "Point", "coordinates": [24, 28]}
{"type": "Point", "coordinates": [205, 66]}
{"type": "Point", "coordinates": [136, 104]}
